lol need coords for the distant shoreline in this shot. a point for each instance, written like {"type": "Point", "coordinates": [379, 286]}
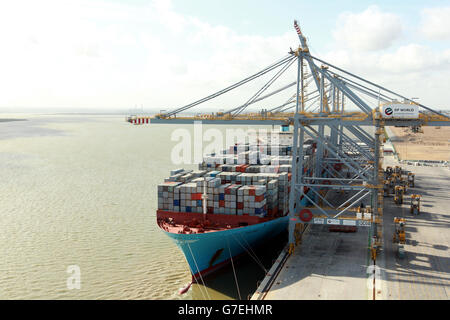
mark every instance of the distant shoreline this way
{"type": "Point", "coordinates": [10, 120]}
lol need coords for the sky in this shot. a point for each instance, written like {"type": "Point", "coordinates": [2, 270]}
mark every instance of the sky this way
{"type": "Point", "coordinates": [163, 54]}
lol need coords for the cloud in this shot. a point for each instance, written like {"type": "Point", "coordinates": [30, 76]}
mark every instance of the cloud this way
{"type": "Point", "coordinates": [412, 70]}
{"type": "Point", "coordinates": [168, 17]}
{"type": "Point", "coordinates": [198, 58]}
{"type": "Point", "coordinates": [435, 23]}
{"type": "Point", "coordinates": [414, 58]}
{"type": "Point", "coordinates": [388, 57]}
{"type": "Point", "coordinates": [88, 53]}
{"type": "Point", "coordinates": [369, 30]}
{"type": "Point", "coordinates": [112, 55]}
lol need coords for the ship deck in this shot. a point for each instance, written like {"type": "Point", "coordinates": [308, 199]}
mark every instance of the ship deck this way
{"type": "Point", "coordinates": [180, 228]}
{"type": "Point", "coordinates": [191, 223]}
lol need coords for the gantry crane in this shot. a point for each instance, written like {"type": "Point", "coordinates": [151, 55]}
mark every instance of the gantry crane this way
{"type": "Point", "coordinates": [348, 154]}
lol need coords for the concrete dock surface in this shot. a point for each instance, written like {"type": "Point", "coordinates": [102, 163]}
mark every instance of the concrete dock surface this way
{"type": "Point", "coordinates": [328, 266]}
{"type": "Point", "coordinates": [337, 266]}
{"type": "Point", "coordinates": [424, 272]}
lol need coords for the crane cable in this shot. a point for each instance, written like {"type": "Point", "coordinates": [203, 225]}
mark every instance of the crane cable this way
{"type": "Point", "coordinates": [200, 274]}
{"type": "Point", "coordinates": [379, 87]}
{"type": "Point", "coordinates": [265, 87]}
{"type": "Point", "coordinates": [251, 254]}
{"type": "Point", "coordinates": [234, 271]}
{"type": "Point", "coordinates": [291, 99]}
{"type": "Point", "coordinates": [238, 84]}
{"type": "Point", "coordinates": [266, 96]}
{"type": "Point", "coordinates": [306, 100]}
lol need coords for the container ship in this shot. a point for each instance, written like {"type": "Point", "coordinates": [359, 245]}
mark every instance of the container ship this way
{"type": "Point", "coordinates": [235, 201]}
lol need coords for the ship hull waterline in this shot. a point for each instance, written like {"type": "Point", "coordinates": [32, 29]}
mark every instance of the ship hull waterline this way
{"type": "Point", "coordinates": [206, 253]}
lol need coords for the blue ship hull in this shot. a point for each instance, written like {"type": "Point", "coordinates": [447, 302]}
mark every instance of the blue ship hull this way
{"type": "Point", "coordinates": [207, 252]}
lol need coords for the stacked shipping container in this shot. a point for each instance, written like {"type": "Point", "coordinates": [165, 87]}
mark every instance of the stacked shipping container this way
{"type": "Point", "coordinates": [239, 181]}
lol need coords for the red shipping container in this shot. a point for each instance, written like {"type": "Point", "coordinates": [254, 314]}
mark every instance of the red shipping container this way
{"type": "Point", "coordinates": [196, 196]}
{"type": "Point", "coordinates": [289, 176]}
{"type": "Point", "coordinates": [210, 210]}
{"type": "Point", "coordinates": [227, 190]}
{"type": "Point", "coordinates": [221, 203]}
{"type": "Point", "coordinates": [251, 192]}
{"type": "Point", "coordinates": [259, 198]}
{"type": "Point", "coordinates": [240, 205]}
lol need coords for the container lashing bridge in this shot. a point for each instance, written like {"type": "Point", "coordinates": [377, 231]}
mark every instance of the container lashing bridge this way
{"type": "Point", "coordinates": [347, 157]}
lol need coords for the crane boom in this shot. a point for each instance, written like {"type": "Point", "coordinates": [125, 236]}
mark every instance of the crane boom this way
{"type": "Point", "coordinates": [352, 87]}
{"type": "Point", "coordinates": [312, 65]}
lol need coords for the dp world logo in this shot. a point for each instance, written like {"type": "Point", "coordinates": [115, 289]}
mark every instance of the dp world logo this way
{"type": "Point", "coordinates": [388, 111]}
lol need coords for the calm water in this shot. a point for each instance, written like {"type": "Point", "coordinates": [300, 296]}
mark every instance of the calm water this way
{"type": "Point", "coordinates": [81, 190]}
